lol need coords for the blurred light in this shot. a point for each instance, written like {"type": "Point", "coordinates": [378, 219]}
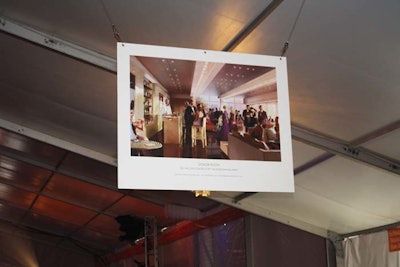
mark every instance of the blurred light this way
{"type": "Point", "coordinates": [202, 193]}
{"type": "Point", "coordinates": [18, 249]}
{"type": "Point", "coordinates": [139, 240]}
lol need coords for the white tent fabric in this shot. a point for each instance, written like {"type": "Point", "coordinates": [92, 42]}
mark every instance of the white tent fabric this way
{"type": "Point", "coordinates": [371, 250]}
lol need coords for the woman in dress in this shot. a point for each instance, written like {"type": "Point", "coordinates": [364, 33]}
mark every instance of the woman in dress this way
{"type": "Point", "coordinates": [223, 134]}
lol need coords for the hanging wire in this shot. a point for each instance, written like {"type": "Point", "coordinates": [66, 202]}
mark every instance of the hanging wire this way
{"type": "Point", "coordinates": [114, 28]}
{"type": "Point", "coordinates": [116, 33]}
{"type": "Point", "coordinates": [286, 45]}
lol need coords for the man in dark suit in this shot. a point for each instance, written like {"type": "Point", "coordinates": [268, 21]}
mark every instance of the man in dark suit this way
{"type": "Point", "coordinates": [190, 115]}
{"type": "Point", "coordinates": [262, 114]}
{"type": "Point", "coordinates": [247, 117]}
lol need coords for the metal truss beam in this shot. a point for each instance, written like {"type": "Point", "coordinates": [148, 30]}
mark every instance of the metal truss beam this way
{"type": "Point", "coordinates": [59, 45]}
{"type": "Point", "coordinates": [375, 134]}
{"type": "Point", "coordinates": [252, 25]}
{"type": "Point", "coordinates": [345, 149]}
{"type": "Point", "coordinates": [370, 230]}
{"type": "Point", "coordinates": [48, 139]}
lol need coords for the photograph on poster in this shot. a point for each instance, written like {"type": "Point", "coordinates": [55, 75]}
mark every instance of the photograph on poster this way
{"type": "Point", "coordinates": [202, 120]}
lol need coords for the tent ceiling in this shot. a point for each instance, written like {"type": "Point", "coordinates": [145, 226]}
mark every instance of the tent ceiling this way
{"type": "Point", "coordinates": [343, 62]}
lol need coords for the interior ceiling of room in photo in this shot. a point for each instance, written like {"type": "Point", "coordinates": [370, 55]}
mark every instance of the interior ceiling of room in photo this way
{"type": "Point", "coordinates": [184, 78]}
{"type": "Point", "coordinates": [58, 113]}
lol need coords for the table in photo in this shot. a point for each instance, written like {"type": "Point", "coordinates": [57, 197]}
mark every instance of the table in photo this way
{"type": "Point", "coordinates": [141, 145]}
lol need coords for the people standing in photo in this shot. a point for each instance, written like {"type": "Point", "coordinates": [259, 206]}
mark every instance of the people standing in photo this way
{"type": "Point", "coordinates": [223, 133]}
{"type": "Point", "coordinates": [189, 116]}
{"type": "Point", "coordinates": [253, 117]}
{"type": "Point", "coordinates": [262, 114]}
{"type": "Point", "coordinates": [200, 114]}
{"type": "Point", "coordinates": [232, 119]}
{"type": "Point", "coordinates": [247, 117]}
{"type": "Point", "coordinates": [166, 109]}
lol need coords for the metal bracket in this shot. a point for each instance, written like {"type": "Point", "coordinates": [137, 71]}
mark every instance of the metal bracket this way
{"type": "Point", "coordinates": [87, 55]}
{"type": "Point", "coordinates": [337, 241]}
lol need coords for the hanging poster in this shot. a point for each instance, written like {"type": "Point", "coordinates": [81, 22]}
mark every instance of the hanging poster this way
{"type": "Point", "coordinates": [223, 123]}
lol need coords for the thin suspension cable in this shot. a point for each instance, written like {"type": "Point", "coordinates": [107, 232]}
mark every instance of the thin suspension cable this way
{"type": "Point", "coordinates": [286, 45]}
{"type": "Point", "coordinates": [116, 34]}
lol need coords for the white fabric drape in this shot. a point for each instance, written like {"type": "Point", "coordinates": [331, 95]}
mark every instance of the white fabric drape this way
{"type": "Point", "coordinates": [370, 250]}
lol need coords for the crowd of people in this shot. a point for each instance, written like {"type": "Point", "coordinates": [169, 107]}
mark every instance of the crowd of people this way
{"type": "Point", "coordinates": [254, 122]}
